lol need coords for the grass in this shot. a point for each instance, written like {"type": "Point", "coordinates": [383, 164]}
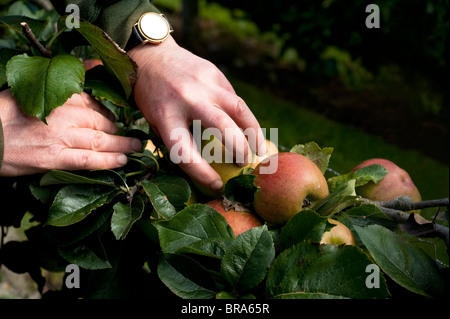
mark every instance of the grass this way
{"type": "Point", "coordinates": [296, 125]}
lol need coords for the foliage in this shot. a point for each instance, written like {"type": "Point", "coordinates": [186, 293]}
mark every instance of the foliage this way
{"type": "Point", "coordinates": [134, 235]}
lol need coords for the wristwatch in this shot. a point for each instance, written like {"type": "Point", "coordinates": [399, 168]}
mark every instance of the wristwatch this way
{"type": "Point", "coordinates": [152, 28]}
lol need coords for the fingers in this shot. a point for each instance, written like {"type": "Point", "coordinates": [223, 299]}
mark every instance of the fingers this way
{"type": "Point", "coordinates": [100, 141]}
{"type": "Point", "coordinates": [76, 159]}
{"type": "Point", "coordinates": [183, 151]}
{"type": "Point", "coordinates": [238, 110]}
{"type": "Point", "coordinates": [230, 135]}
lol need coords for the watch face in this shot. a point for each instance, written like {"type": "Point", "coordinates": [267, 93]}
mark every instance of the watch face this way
{"type": "Point", "coordinates": [154, 27]}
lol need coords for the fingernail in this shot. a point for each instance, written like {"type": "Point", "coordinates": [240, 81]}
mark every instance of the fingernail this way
{"type": "Point", "coordinates": [216, 185]}
{"type": "Point", "coordinates": [122, 159]}
{"type": "Point", "coordinates": [136, 144]}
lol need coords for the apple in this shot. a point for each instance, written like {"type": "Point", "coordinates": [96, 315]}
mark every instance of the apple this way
{"type": "Point", "coordinates": [338, 235]}
{"type": "Point", "coordinates": [297, 184]}
{"type": "Point", "coordinates": [239, 221]}
{"type": "Point", "coordinates": [152, 149]}
{"type": "Point", "coordinates": [396, 183]}
{"type": "Point", "coordinates": [271, 149]}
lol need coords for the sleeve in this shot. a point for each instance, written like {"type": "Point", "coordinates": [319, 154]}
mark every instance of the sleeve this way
{"type": "Point", "coordinates": [115, 17]}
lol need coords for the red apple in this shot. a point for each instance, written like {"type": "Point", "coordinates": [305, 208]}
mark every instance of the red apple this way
{"type": "Point", "coordinates": [239, 221]}
{"type": "Point", "coordinates": [338, 235]}
{"type": "Point", "coordinates": [296, 184]}
{"type": "Point", "coordinates": [396, 183]}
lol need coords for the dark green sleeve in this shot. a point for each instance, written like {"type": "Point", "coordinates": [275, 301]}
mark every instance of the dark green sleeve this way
{"type": "Point", "coordinates": [115, 17]}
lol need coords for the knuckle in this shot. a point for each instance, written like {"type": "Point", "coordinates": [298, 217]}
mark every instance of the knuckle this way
{"type": "Point", "coordinates": [240, 107]}
{"type": "Point", "coordinates": [98, 140]}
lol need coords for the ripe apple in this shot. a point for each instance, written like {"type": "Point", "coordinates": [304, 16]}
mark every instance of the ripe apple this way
{"type": "Point", "coordinates": [338, 235]}
{"type": "Point", "coordinates": [271, 149]}
{"type": "Point", "coordinates": [396, 183]}
{"type": "Point", "coordinates": [297, 184]}
{"type": "Point", "coordinates": [225, 170]}
{"type": "Point", "coordinates": [239, 221]}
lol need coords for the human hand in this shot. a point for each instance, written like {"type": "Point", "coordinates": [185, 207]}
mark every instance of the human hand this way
{"type": "Point", "coordinates": [175, 87]}
{"type": "Point", "coordinates": [78, 136]}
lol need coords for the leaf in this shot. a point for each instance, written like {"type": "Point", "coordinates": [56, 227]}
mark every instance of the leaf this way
{"type": "Point", "coordinates": [13, 22]}
{"type": "Point", "coordinates": [185, 277]}
{"type": "Point", "coordinates": [191, 225]}
{"type": "Point", "coordinates": [325, 270]}
{"type": "Point", "coordinates": [306, 225]}
{"type": "Point", "coordinates": [241, 189]}
{"type": "Point", "coordinates": [41, 84]}
{"type": "Point", "coordinates": [406, 264]}
{"type": "Point", "coordinates": [113, 57]}
{"type": "Point", "coordinates": [88, 254]}
{"type": "Point", "coordinates": [364, 215]}
{"type": "Point", "coordinates": [248, 259]}
{"type": "Point", "coordinates": [125, 215]}
{"type": "Point", "coordinates": [374, 173]}
{"type": "Point", "coordinates": [104, 87]}
{"type": "Point", "coordinates": [340, 199]}
{"type": "Point", "coordinates": [176, 189]}
{"type": "Point", "coordinates": [158, 199]}
{"type": "Point", "coordinates": [63, 177]}
{"type": "Point", "coordinates": [74, 202]}
{"type": "Point", "coordinates": [320, 156]}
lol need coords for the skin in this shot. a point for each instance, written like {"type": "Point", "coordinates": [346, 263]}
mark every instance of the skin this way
{"type": "Point", "coordinates": [184, 88]}
{"type": "Point", "coordinates": [79, 136]}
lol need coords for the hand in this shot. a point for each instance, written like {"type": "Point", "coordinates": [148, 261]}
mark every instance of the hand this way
{"type": "Point", "coordinates": [175, 87]}
{"type": "Point", "coordinates": [79, 136]}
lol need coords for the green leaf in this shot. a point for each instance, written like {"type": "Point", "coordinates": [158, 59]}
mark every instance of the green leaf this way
{"type": "Point", "coordinates": [241, 189]}
{"type": "Point", "coordinates": [63, 177]}
{"type": "Point", "coordinates": [248, 259]}
{"type": "Point", "coordinates": [374, 173]}
{"type": "Point", "coordinates": [306, 225]}
{"type": "Point", "coordinates": [125, 215]}
{"type": "Point", "coordinates": [325, 270]}
{"type": "Point", "coordinates": [340, 199]}
{"type": "Point", "coordinates": [13, 22]}
{"type": "Point", "coordinates": [185, 277]}
{"type": "Point", "coordinates": [105, 87]}
{"type": "Point", "coordinates": [113, 57]}
{"type": "Point", "coordinates": [158, 199]}
{"type": "Point", "coordinates": [406, 264]}
{"type": "Point", "coordinates": [191, 225]}
{"type": "Point", "coordinates": [320, 156]}
{"type": "Point", "coordinates": [176, 189]}
{"type": "Point", "coordinates": [74, 202]}
{"type": "Point", "coordinates": [41, 84]}
{"type": "Point", "coordinates": [88, 254]}
{"type": "Point", "coordinates": [364, 215]}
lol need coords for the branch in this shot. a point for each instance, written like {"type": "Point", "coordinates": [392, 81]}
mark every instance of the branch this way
{"type": "Point", "coordinates": [28, 33]}
{"type": "Point", "coordinates": [413, 223]}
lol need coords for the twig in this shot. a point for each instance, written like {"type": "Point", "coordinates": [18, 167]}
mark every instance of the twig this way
{"type": "Point", "coordinates": [405, 203]}
{"type": "Point", "coordinates": [28, 33]}
{"type": "Point", "coordinates": [413, 223]}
